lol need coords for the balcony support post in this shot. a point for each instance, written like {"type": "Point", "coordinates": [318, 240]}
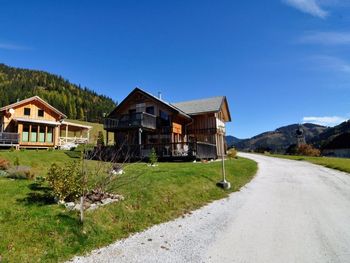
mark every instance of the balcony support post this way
{"type": "Point", "coordinates": [140, 141]}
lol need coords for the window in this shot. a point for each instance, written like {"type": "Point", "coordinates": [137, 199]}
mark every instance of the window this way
{"type": "Point", "coordinates": [34, 134]}
{"type": "Point", "coordinates": [25, 133]}
{"type": "Point", "coordinates": [42, 134]}
{"type": "Point", "coordinates": [49, 137]}
{"type": "Point", "coordinates": [27, 111]}
{"type": "Point", "coordinates": [40, 113]}
{"type": "Point", "coordinates": [150, 110]}
{"type": "Point", "coordinates": [164, 118]}
{"type": "Point", "coordinates": [163, 115]}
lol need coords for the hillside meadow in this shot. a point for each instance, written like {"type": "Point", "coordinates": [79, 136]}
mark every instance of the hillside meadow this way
{"type": "Point", "coordinates": [33, 228]}
{"type": "Point", "coordinates": [341, 164]}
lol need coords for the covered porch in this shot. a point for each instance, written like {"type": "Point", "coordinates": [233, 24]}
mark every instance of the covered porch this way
{"type": "Point", "coordinates": [73, 133]}
{"type": "Point", "coordinates": [35, 133]}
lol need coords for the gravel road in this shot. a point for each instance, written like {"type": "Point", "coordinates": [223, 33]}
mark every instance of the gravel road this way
{"type": "Point", "coordinates": [291, 211]}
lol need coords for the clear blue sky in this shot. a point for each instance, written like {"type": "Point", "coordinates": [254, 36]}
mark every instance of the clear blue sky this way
{"type": "Point", "coordinates": [278, 61]}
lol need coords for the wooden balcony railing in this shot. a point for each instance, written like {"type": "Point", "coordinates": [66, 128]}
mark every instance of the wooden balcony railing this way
{"type": "Point", "coordinates": [168, 151]}
{"type": "Point", "coordinates": [9, 138]}
{"type": "Point", "coordinates": [135, 120]}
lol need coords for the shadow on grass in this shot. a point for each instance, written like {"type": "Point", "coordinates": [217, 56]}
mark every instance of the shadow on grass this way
{"type": "Point", "coordinates": [209, 178]}
{"type": "Point", "coordinates": [73, 154]}
{"type": "Point", "coordinates": [71, 223]}
{"type": "Point", "coordinates": [40, 196]}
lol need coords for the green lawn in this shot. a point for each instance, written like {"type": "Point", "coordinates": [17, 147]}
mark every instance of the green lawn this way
{"type": "Point", "coordinates": [33, 229]}
{"type": "Point", "coordinates": [342, 164]}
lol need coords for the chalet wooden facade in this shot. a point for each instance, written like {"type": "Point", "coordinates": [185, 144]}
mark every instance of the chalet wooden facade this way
{"type": "Point", "coordinates": [33, 123]}
{"type": "Point", "coordinates": [193, 129]}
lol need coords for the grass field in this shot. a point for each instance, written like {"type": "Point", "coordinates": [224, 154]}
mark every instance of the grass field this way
{"type": "Point", "coordinates": [341, 164]}
{"type": "Point", "coordinates": [34, 229]}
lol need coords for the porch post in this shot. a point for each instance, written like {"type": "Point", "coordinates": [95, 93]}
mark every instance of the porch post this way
{"type": "Point", "coordinates": [140, 141]}
{"type": "Point", "coordinates": [66, 133]}
{"type": "Point", "coordinates": [88, 135]}
{"type": "Point", "coordinates": [30, 133]}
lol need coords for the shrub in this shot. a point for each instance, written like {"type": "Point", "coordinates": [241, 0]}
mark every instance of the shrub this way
{"type": "Point", "coordinates": [153, 157]}
{"type": "Point", "coordinates": [308, 150]}
{"type": "Point", "coordinates": [100, 139]}
{"type": "Point", "coordinates": [232, 153]}
{"type": "Point", "coordinates": [21, 172]}
{"type": "Point", "coordinates": [4, 164]}
{"type": "Point", "coordinates": [3, 173]}
{"type": "Point", "coordinates": [16, 161]}
{"type": "Point", "coordinates": [65, 181]}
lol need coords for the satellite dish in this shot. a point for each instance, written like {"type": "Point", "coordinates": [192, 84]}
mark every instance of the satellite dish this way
{"type": "Point", "coordinates": [11, 111]}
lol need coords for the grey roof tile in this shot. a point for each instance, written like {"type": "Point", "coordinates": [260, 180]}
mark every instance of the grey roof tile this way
{"type": "Point", "coordinates": [199, 106]}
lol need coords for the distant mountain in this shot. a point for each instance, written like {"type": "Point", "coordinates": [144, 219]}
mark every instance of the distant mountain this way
{"type": "Point", "coordinates": [280, 139]}
{"type": "Point", "coordinates": [330, 134]}
{"type": "Point", "coordinates": [76, 102]}
{"type": "Point", "coordinates": [231, 140]}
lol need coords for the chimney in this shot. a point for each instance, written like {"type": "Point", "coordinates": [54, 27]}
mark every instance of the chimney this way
{"type": "Point", "coordinates": [159, 95]}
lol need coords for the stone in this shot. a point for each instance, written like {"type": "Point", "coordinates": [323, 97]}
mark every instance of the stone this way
{"type": "Point", "coordinates": [92, 207]}
{"type": "Point", "coordinates": [69, 205]}
{"type": "Point", "coordinates": [77, 207]}
{"type": "Point", "coordinates": [107, 201]}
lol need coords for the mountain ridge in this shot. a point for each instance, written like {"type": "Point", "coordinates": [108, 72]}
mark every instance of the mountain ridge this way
{"type": "Point", "coordinates": [73, 100]}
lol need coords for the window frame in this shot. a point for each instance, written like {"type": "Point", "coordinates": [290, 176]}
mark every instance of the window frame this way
{"type": "Point", "coordinates": [41, 110]}
{"type": "Point", "coordinates": [26, 110]}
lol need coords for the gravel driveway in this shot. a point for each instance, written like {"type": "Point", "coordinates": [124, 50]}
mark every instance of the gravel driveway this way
{"type": "Point", "coordinates": [292, 211]}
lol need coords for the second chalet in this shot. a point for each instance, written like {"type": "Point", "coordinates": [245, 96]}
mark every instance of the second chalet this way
{"type": "Point", "coordinates": [185, 130]}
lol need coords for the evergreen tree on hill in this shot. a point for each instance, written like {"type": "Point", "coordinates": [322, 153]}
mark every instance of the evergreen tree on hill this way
{"type": "Point", "coordinates": [76, 102]}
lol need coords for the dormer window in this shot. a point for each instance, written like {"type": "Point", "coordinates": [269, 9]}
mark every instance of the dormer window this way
{"type": "Point", "coordinates": [27, 111]}
{"type": "Point", "coordinates": [40, 113]}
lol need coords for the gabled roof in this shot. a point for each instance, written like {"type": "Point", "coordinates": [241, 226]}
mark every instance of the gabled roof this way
{"type": "Point", "coordinates": [37, 98]}
{"type": "Point", "coordinates": [195, 107]}
{"type": "Point", "coordinates": [167, 104]}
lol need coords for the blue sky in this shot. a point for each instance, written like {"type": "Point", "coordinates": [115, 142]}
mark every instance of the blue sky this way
{"type": "Point", "coordinates": [278, 61]}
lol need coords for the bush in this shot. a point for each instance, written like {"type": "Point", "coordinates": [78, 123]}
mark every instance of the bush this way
{"type": "Point", "coordinates": [66, 181]}
{"type": "Point", "coordinates": [153, 157]}
{"type": "Point", "coordinates": [21, 172]}
{"type": "Point", "coordinates": [4, 164]}
{"type": "Point", "coordinates": [100, 139]}
{"type": "Point", "coordinates": [232, 153]}
{"type": "Point", "coordinates": [3, 173]}
{"type": "Point", "coordinates": [308, 150]}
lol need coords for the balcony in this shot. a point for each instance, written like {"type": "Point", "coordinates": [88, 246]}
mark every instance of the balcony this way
{"type": "Point", "coordinates": [134, 120]}
{"type": "Point", "coordinates": [9, 138]}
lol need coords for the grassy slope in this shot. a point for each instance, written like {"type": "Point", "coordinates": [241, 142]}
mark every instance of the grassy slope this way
{"type": "Point", "coordinates": [96, 128]}
{"type": "Point", "coordinates": [342, 164]}
{"type": "Point", "coordinates": [33, 230]}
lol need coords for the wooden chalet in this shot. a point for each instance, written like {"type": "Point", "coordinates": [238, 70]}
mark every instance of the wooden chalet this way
{"type": "Point", "coordinates": [185, 130]}
{"type": "Point", "coordinates": [34, 123]}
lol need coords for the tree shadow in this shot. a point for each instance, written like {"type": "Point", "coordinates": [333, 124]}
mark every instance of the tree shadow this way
{"type": "Point", "coordinates": [73, 154]}
{"type": "Point", "coordinates": [40, 196]}
{"type": "Point", "coordinates": [208, 178]}
{"type": "Point", "coordinates": [73, 225]}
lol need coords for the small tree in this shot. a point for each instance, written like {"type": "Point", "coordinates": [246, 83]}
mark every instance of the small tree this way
{"type": "Point", "coordinates": [65, 181]}
{"type": "Point", "coordinates": [153, 157]}
{"type": "Point", "coordinates": [16, 163]}
{"type": "Point", "coordinates": [232, 153]}
{"type": "Point", "coordinates": [308, 150]}
{"type": "Point", "coordinates": [100, 139]}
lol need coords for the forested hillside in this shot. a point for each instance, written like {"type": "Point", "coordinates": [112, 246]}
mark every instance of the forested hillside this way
{"type": "Point", "coordinates": [76, 102]}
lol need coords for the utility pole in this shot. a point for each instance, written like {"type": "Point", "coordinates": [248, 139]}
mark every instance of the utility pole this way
{"type": "Point", "coordinates": [223, 183]}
